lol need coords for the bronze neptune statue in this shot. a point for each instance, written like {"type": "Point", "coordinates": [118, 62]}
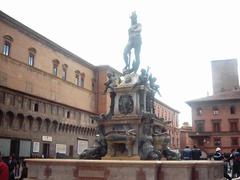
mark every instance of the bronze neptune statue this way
{"type": "Point", "coordinates": [134, 42]}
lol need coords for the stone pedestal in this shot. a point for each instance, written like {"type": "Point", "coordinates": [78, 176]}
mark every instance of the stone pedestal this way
{"type": "Point", "coordinates": [56, 169]}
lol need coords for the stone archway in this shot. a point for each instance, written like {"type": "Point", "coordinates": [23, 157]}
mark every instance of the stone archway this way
{"type": "Point", "coordinates": [28, 124]}
{"type": "Point", "coordinates": [70, 128]}
{"type": "Point", "coordinates": [54, 126]}
{"type": "Point", "coordinates": [46, 125]}
{"type": "Point", "coordinates": [9, 118]}
{"type": "Point", "coordinates": [63, 127]}
{"type": "Point", "coordinates": [20, 121]}
{"type": "Point", "coordinates": [60, 127]}
{"type": "Point", "coordinates": [67, 128]}
{"type": "Point", "coordinates": [38, 122]}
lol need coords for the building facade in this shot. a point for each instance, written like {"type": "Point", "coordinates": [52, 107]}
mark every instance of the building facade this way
{"type": "Point", "coordinates": [185, 140]}
{"type": "Point", "coordinates": [47, 95]}
{"type": "Point", "coordinates": [166, 112]}
{"type": "Point", "coordinates": [215, 118]}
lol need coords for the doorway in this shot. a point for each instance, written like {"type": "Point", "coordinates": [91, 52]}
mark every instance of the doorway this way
{"type": "Point", "coordinates": [46, 148]}
{"type": "Point", "coordinates": [14, 148]}
{"type": "Point", "coordinates": [71, 151]}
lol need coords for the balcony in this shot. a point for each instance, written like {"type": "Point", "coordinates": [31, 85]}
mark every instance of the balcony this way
{"type": "Point", "coordinates": [199, 134]}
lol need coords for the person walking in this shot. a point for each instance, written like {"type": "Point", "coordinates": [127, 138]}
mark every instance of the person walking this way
{"type": "Point", "coordinates": [196, 153]}
{"type": "Point", "coordinates": [230, 160]}
{"type": "Point", "coordinates": [236, 163]}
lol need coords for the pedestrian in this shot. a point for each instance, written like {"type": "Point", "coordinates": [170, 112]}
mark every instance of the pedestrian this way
{"type": "Point", "coordinates": [17, 171]}
{"type": "Point", "coordinates": [236, 163]}
{"type": "Point", "coordinates": [218, 154]}
{"type": "Point", "coordinates": [187, 153]}
{"type": "Point", "coordinates": [4, 173]}
{"type": "Point", "coordinates": [230, 162]}
{"type": "Point", "coordinates": [196, 153]}
{"type": "Point", "coordinates": [24, 170]}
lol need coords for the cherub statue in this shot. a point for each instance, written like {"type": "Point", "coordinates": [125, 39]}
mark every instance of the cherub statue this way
{"type": "Point", "coordinates": [143, 78]}
{"type": "Point", "coordinates": [111, 82]}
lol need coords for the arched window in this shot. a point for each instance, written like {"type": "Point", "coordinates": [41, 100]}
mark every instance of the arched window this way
{"type": "Point", "coordinates": [31, 56]}
{"type": "Point", "coordinates": [55, 67]}
{"type": "Point", "coordinates": [215, 110]}
{"type": "Point", "coordinates": [77, 77]}
{"type": "Point", "coordinates": [82, 79]}
{"type": "Point", "coordinates": [199, 111]}
{"type": "Point", "coordinates": [7, 40]}
{"type": "Point", "coordinates": [64, 71]}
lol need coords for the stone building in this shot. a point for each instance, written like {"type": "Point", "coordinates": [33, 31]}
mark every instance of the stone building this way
{"type": "Point", "coordinates": [215, 118]}
{"type": "Point", "coordinates": [47, 95]}
{"type": "Point", "coordinates": [166, 112]}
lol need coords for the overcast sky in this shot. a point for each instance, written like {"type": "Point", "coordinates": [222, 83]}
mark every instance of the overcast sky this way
{"type": "Point", "coordinates": [180, 37]}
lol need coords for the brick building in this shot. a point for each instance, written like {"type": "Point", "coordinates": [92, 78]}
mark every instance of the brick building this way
{"type": "Point", "coordinates": [47, 95]}
{"type": "Point", "coordinates": [166, 112]}
{"type": "Point", "coordinates": [215, 118]}
{"type": "Point", "coordinates": [185, 140]}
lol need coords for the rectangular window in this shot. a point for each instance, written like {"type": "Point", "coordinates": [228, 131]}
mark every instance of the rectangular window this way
{"type": "Point", "coordinates": [216, 127]}
{"type": "Point", "coordinates": [215, 110]}
{"type": "Point", "coordinates": [31, 59]}
{"type": "Point", "coordinates": [232, 110]}
{"type": "Point", "coordinates": [199, 125]}
{"type": "Point", "coordinates": [6, 48]}
{"type": "Point", "coordinates": [217, 141]}
{"type": "Point", "coordinates": [234, 141]}
{"type": "Point", "coordinates": [233, 126]}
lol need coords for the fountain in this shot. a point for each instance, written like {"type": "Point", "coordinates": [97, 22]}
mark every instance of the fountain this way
{"type": "Point", "coordinates": [130, 139]}
{"type": "Point", "coordinates": [131, 130]}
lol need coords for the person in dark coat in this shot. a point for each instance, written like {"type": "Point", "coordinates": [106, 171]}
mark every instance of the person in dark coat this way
{"type": "Point", "coordinates": [24, 170]}
{"type": "Point", "coordinates": [218, 156]}
{"type": "Point", "coordinates": [196, 153]}
{"type": "Point", "coordinates": [187, 153]}
{"type": "Point", "coordinates": [236, 163]}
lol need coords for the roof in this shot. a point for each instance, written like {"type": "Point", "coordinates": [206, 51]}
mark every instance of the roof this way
{"type": "Point", "coordinates": [223, 96]}
{"type": "Point", "coordinates": [33, 34]}
{"type": "Point", "coordinates": [162, 103]}
{"type": "Point", "coordinates": [107, 67]}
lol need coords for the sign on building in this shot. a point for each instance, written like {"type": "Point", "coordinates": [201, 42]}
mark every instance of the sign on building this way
{"type": "Point", "coordinates": [82, 145]}
{"type": "Point", "coordinates": [47, 138]}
